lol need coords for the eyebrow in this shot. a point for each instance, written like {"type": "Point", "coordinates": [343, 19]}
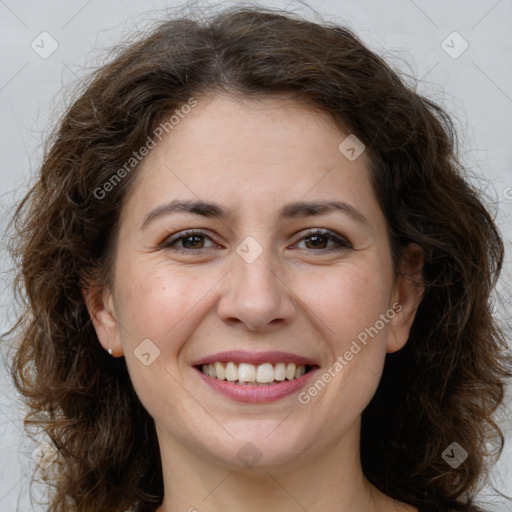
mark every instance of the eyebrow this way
{"type": "Point", "coordinates": [298, 209]}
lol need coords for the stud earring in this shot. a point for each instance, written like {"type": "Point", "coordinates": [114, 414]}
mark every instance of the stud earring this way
{"type": "Point", "coordinates": [109, 350]}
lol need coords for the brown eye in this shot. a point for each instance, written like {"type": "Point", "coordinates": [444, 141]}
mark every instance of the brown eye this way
{"type": "Point", "coordinates": [186, 241]}
{"type": "Point", "coordinates": [318, 239]}
{"type": "Point", "coordinates": [195, 241]}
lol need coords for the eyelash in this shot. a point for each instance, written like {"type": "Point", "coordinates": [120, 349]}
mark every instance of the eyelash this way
{"type": "Point", "coordinates": [341, 242]}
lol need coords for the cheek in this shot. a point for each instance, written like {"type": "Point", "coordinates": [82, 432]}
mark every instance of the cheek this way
{"type": "Point", "coordinates": [165, 305]}
{"type": "Point", "coordinates": [157, 302]}
{"type": "Point", "coordinates": [345, 301]}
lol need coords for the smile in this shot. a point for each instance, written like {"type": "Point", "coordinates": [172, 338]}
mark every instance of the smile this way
{"type": "Point", "coordinates": [265, 374]}
{"type": "Point", "coordinates": [255, 377]}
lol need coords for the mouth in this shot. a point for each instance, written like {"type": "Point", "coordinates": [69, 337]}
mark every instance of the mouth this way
{"type": "Point", "coordinates": [266, 374]}
{"type": "Point", "coordinates": [255, 377]}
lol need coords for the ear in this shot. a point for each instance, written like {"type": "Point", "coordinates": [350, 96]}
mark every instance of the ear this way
{"type": "Point", "coordinates": [407, 296]}
{"type": "Point", "coordinates": [100, 305]}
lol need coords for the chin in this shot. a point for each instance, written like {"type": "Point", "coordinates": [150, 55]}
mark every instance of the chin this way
{"type": "Point", "coordinates": [260, 446]}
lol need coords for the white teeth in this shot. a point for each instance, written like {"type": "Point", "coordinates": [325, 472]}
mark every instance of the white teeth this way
{"type": "Point", "coordinates": [290, 371]}
{"type": "Point", "coordinates": [220, 371]}
{"type": "Point", "coordinates": [231, 372]}
{"type": "Point", "coordinates": [265, 373]}
{"type": "Point", "coordinates": [280, 371]}
{"type": "Point", "coordinates": [244, 373]}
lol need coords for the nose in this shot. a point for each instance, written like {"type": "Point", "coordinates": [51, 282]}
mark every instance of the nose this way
{"type": "Point", "coordinates": [257, 296]}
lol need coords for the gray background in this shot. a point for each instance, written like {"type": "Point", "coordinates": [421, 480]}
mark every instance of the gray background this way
{"type": "Point", "coordinates": [475, 86]}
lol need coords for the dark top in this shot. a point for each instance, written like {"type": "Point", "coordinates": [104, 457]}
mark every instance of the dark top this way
{"type": "Point", "coordinates": [429, 508]}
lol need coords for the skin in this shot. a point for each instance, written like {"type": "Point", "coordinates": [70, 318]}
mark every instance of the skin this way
{"type": "Point", "coordinates": [253, 156]}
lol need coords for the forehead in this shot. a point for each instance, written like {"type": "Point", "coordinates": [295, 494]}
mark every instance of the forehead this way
{"type": "Point", "coordinates": [239, 150]}
{"type": "Point", "coordinates": [264, 131]}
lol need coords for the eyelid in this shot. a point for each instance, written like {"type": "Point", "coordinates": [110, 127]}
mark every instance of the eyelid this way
{"type": "Point", "coordinates": [342, 243]}
{"type": "Point", "coordinates": [176, 237]}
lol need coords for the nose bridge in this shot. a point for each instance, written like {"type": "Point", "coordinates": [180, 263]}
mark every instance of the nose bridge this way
{"type": "Point", "coordinates": [255, 294]}
{"type": "Point", "coordinates": [259, 275]}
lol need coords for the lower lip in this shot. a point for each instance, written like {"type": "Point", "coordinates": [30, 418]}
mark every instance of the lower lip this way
{"type": "Point", "coordinates": [257, 394]}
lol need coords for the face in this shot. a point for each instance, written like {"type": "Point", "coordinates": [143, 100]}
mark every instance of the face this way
{"type": "Point", "coordinates": [260, 279]}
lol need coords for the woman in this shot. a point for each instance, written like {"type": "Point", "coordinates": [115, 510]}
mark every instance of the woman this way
{"type": "Point", "coordinates": [253, 282]}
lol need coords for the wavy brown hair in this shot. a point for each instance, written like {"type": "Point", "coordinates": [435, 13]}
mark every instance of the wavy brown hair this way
{"type": "Point", "coordinates": [443, 386]}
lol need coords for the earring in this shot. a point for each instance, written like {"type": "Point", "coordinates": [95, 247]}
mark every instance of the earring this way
{"type": "Point", "coordinates": [109, 350]}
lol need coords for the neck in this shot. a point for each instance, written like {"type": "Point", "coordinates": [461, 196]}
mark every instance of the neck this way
{"type": "Point", "coordinates": [331, 480]}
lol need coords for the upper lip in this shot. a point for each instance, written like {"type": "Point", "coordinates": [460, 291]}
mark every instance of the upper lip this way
{"type": "Point", "coordinates": [256, 358]}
